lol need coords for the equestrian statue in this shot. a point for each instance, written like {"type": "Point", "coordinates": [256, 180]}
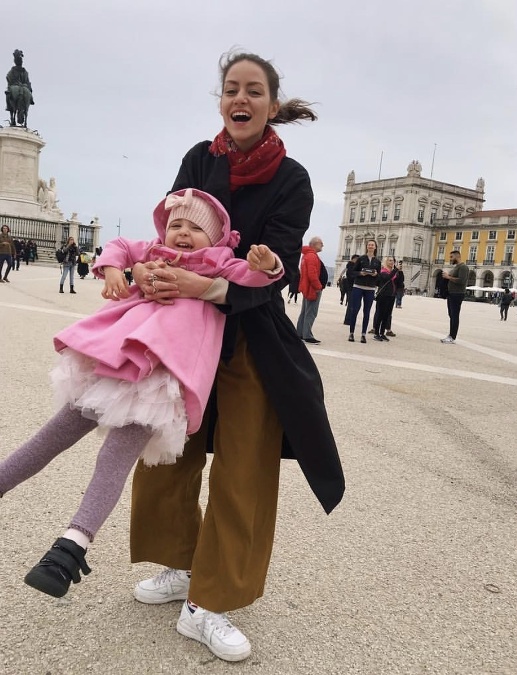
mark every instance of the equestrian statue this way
{"type": "Point", "coordinates": [19, 91]}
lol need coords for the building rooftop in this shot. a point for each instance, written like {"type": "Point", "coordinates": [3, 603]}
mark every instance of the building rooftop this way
{"type": "Point", "coordinates": [497, 213]}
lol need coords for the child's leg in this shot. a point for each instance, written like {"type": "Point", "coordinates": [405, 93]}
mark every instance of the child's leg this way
{"type": "Point", "coordinates": [63, 562]}
{"type": "Point", "coordinates": [116, 458]}
{"type": "Point", "coordinates": [59, 433]}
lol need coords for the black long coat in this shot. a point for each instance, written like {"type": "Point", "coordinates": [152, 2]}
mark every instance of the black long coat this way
{"type": "Point", "coordinates": [276, 214]}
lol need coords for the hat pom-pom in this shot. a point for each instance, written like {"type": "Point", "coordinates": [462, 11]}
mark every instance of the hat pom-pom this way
{"type": "Point", "coordinates": [234, 239]}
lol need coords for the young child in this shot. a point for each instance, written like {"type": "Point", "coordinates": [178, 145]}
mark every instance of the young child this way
{"type": "Point", "coordinates": [141, 368]}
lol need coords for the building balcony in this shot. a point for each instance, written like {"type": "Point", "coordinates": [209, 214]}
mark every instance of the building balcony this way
{"type": "Point", "coordinates": [508, 263]}
{"type": "Point", "coordinates": [488, 262]}
{"type": "Point", "coordinates": [439, 261]}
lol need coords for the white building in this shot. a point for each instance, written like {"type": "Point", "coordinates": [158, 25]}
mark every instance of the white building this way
{"type": "Point", "coordinates": [399, 214]}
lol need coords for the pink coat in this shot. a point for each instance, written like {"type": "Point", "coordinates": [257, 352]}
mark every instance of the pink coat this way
{"type": "Point", "coordinates": [128, 338]}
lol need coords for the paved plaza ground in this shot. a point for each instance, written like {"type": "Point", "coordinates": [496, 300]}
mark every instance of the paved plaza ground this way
{"type": "Point", "coordinates": [415, 572]}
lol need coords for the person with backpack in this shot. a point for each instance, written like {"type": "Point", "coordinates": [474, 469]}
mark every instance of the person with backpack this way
{"type": "Point", "coordinates": [68, 263]}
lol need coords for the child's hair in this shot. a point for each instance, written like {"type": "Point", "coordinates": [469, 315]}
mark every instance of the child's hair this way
{"type": "Point", "coordinates": [293, 110]}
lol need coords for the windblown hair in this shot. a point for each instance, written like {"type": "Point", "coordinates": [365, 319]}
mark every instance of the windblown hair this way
{"type": "Point", "coordinates": [292, 110]}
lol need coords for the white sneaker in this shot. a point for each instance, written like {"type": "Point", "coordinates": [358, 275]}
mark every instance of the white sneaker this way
{"type": "Point", "coordinates": [167, 586]}
{"type": "Point", "coordinates": [448, 340]}
{"type": "Point", "coordinates": [215, 631]}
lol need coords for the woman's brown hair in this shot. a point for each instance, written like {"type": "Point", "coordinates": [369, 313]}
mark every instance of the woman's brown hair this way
{"type": "Point", "coordinates": [292, 110]}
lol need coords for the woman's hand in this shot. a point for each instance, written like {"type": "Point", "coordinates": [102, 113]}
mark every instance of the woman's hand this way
{"type": "Point", "coordinates": [162, 283]}
{"type": "Point", "coordinates": [115, 284]}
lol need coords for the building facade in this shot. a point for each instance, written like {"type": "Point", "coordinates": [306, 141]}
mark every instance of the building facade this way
{"type": "Point", "coordinates": [402, 214]}
{"type": "Point", "coordinates": [487, 243]}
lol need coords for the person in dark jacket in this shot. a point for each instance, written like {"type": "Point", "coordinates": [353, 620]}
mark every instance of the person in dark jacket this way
{"type": "Point", "coordinates": [365, 275]}
{"type": "Point", "coordinates": [71, 252]}
{"type": "Point", "coordinates": [219, 563]}
{"type": "Point", "coordinates": [506, 301]}
{"type": "Point", "coordinates": [293, 289]}
{"type": "Point", "coordinates": [349, 285]}
{"type": "Point", "coordinates": [385, 299]}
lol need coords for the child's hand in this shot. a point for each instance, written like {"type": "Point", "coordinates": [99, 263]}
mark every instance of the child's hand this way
{"type": "Point", "coordinates": [260, 257]}
{"type": "Point", "coordinates": [115, 284]}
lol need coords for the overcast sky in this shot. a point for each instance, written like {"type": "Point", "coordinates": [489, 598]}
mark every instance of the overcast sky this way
{"type": "Point", "coordinates": [123, 88]}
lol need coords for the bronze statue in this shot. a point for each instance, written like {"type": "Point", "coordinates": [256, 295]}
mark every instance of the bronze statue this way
{"type": "Point", "coordinates": [19, 91]}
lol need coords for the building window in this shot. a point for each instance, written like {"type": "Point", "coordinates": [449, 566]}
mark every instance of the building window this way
{"type": "Point", "coordinates": [511, 234]}
{"type": "Point", "coordinates": [417, 249]}
{"type": "Point", "coordinates": [421, 214]}
{"type": "Point", "coordinates": [441, 253]}
{"type": "Point", "coordinates": [433, 215]}
{"type": "Point", "coordinates": [459, 236]}
{"type": "Point", "coordinates": [443, 236]}
{"type": "Point", "coordinates": [385, 213]}
{"type": "Point", "coordinates": [362, 214]}
{"type": "Point", "coordinates": [492, 234]}
{"type": "Point", "coordinates": [475, 235]}
{"type": "Point", "coordinates": [473, 254]}
{"type": "Point", "coordinates": [508, 254]}
{"type": "Point", "coordinates": [392, 251]}
{"type": "Point", "coordinates": [380, 250]}
{"type": "Point", "coordinates": [352, 215]}
{"type": "Point", "coordinates": [373, 214]}
{"type": "Point", "coordinates": [396, 215]}
{"type": "Point", "coordinates": [446, 214]}
{"type": "Point", "coordinates": [347, 253]}
{"type": "Point", "coordinates": [490, 251]}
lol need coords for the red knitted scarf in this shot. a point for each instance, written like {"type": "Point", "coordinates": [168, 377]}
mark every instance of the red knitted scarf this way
{"type": "Point", "coordinates": [258, 165]}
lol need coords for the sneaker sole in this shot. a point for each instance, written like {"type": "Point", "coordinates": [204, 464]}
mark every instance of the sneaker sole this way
{"type": "Point", "coordinates": [41, 582]}
{"type": "Point", "coordinates": [189, 632]}
{"type": "Point", "coordinates": [150, 597]}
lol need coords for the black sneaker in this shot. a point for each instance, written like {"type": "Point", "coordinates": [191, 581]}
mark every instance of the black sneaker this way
{"type": "Point", "coordinates": [312, 341]}
{"type": "Point", "coordinates": [58, 568]}
{"type": "Point", "coordinates": [384, 338]}
{"type": "Point", "coordinates": [378, 338]}
{"type": "Point", "coordinates": [363, 339]}
{"type": "Point", "coordinates": [351, 338]}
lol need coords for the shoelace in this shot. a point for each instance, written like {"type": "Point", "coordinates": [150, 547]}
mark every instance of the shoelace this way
{"type": "Point", "coordinates": [167, 575]}
{"type": "Point", "coordinates": [220, 622]}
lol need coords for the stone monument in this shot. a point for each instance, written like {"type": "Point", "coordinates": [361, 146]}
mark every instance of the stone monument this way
{"type": "Point", "coordinates": [29, 203]}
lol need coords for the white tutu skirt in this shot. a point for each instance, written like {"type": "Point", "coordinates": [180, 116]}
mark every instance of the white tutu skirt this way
{"type": "Point", "coordinates": [155, 402]}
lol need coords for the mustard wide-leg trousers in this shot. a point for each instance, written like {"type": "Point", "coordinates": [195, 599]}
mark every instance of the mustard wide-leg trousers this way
{"type": "Point", "coordinates": [229, 550]}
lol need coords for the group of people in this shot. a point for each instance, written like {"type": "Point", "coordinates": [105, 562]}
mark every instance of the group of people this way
{"type": "Point", "coordinates": [366, 280]}
{"type": "Point", "coordinates": [200, 345]}
{"type": "Point", "coordinates": [13, 251]}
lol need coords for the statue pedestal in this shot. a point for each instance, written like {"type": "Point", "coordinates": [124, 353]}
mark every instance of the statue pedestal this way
{"type": "Point", "coordinates": [19, 164]}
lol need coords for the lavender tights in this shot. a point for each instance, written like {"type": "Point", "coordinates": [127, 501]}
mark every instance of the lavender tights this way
{"type": "Point", "coordinates": [118, 454]}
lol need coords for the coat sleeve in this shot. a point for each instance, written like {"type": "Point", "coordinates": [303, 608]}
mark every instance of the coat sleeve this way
{"type": "Point", "coordinates": [121, 253]}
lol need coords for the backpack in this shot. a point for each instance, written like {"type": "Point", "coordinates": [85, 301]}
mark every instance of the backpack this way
{"type": "Point", "coordinates": [60, 255]}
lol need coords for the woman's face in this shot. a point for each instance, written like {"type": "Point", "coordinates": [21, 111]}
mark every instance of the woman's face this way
{"type": "Point", "coordinates": [390, 262]}
{"type": "Point", "coordinates": [370, 248]}
{"type": "Point", "coordinates": [5, 229]}
{"type": "Point", "coordinates": [246, 104]}
{"type": "Point", "coordinates": [71, 240]}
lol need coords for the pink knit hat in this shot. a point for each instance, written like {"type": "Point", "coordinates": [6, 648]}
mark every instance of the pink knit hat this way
{"type": "Point", "coordinates": [196, 209]}
{"type": "Point", "coordinates": [208, 213]}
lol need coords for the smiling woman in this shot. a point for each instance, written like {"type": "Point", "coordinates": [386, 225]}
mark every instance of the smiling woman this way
{"type": "Point", "coordinates": [219, 563]}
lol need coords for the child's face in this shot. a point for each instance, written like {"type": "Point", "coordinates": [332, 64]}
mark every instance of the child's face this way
{"type": "Point", "coordinates": [184, 235]}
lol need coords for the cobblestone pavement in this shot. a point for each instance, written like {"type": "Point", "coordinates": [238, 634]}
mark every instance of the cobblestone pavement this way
{"type": "Point", "coordinates": [415, 572]}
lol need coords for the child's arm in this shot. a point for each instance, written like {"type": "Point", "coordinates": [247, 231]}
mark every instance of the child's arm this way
{"type": "Point", "coordinates": [115, 284]}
